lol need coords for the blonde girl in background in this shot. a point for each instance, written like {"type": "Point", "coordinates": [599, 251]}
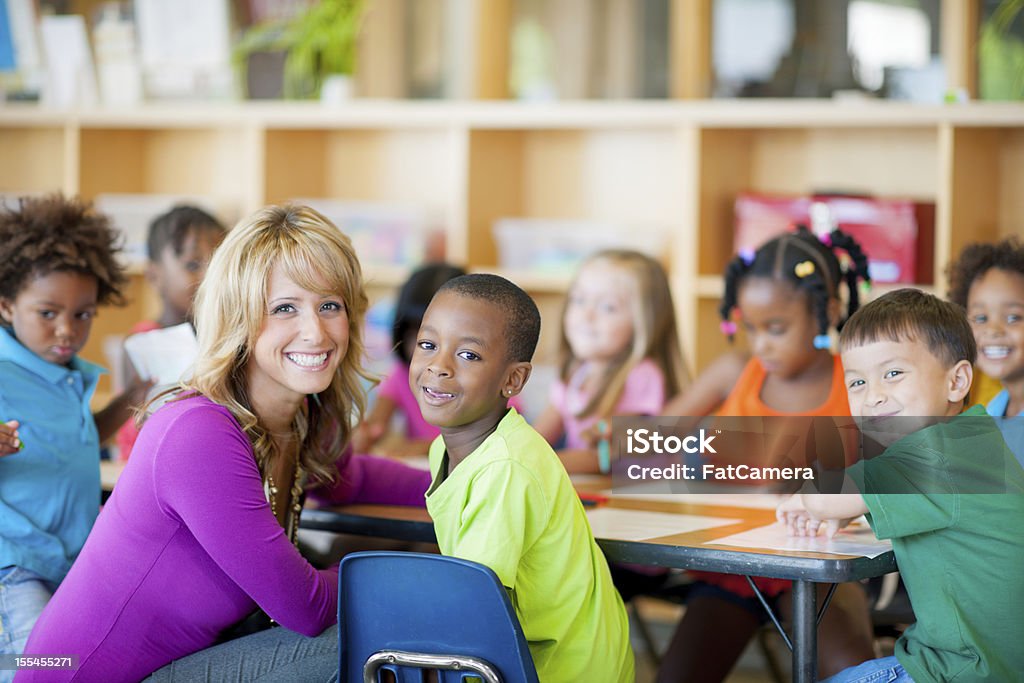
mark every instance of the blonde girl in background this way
{"type": "Point", "coordinates": [619, 355]}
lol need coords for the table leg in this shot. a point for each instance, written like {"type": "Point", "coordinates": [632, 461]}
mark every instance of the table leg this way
{"type": "Point", "coordinates": [805, 632]}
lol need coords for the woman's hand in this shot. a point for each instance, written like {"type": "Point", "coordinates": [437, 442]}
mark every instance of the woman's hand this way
{"type": "Point", "coordinates": [9, 441]}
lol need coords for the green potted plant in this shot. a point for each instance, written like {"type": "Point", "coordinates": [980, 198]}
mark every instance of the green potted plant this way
{"type": "Point", "coordinates": [320, 44]}
{"type": "Point", "coordinates": [1001, 54]}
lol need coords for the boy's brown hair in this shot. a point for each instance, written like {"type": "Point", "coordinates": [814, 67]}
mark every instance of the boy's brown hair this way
{"type": "Point", "coordinates": [910, 314]}
{"type": "Point", "coordinates": [42, 235]}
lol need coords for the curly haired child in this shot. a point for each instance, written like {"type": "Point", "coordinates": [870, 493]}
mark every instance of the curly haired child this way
{"type": "Point", "coordinates": [57, 266]}
{"type": "Point", "coordinates": [988, 282]}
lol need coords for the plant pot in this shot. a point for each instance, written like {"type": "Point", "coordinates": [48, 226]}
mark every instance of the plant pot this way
{"type": "Point", "coordinates": [336, 88]}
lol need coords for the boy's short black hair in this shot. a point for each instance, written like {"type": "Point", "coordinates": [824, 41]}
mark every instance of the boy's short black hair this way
{"type": "Point", "coordinates": [910, 314]}
{"type": "Point", "coordinates": [43, 235]}
{"type": "Point", "coordinates": [173, 228]}
{"type": "Point", "coordinates": [522, 327]}
{"type": "Point", "coordinates": [977, 259]}
{"type": "Point", "coordinates": [413, 299]}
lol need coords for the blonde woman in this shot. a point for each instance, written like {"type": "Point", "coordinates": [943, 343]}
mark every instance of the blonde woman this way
{"type": "Point", "coordinates": [200, 530]}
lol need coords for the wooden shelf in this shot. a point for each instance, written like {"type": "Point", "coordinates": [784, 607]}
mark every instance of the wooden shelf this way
{"type": "Point", "coordinates": [674, 164]}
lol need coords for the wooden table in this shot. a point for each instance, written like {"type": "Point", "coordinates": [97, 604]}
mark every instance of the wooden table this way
{"type": "Point", "coordinates": [692, 550]}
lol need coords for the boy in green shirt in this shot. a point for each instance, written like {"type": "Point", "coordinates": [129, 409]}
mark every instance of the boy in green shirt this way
{"type": "Point", "coordinates": [908, 362]}
{"type": "Point", "coordinates": [500, 496]}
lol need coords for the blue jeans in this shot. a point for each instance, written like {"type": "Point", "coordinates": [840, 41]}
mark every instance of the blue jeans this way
{"type": "Point", "coordinates": [885, 670]}
{"type": "Point", "coordinates": [276, 655]}
{"type": "Point", "coordinates": [23, 595]}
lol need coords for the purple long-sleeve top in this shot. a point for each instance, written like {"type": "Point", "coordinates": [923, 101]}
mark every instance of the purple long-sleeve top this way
{"type": "Point", "coordinates": [187, 546]}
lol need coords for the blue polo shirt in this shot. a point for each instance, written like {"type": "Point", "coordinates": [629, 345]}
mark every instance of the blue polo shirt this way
{"type": "Point", "coordinates": [50, 490]}
{"type": "Point", "coordinates": [1011, 425]}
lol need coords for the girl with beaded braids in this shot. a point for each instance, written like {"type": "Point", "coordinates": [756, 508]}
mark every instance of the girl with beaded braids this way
{"type": "Point", "coordinates": [786, 295]}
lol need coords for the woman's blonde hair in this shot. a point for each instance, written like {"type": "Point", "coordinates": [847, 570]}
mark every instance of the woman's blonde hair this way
{"type": "Point", "coordinates": [654, 331]}
{"type": "Point", "coordinates": [229, 310]}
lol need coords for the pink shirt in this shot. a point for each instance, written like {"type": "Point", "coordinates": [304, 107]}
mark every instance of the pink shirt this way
{"type": "Point", "coordinates": [643, 394]}
{"type": "Point", "coordinates": [396, 388]}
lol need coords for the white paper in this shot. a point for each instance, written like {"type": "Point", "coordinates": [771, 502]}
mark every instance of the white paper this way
{"type": "Point", "coordinates": [165, 356]}
{"type": "Point", "coordinates": [639, 525]}
{"type": "Point", "coordinates": [419, 462]}
{"type": "Point", "coordinates": [753, 501]}
{"type": "Point", "coordinates": [856, 539]}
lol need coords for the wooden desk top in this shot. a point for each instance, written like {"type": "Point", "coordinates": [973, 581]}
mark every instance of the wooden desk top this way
{"type": "Point", "coordinates": [693, 549]}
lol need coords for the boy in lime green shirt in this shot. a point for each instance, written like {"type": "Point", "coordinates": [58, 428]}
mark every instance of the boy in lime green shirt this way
{"type": "Point", "coordinates": [500, 496]}
{"type": "Point", "coordinates": [946, 490]}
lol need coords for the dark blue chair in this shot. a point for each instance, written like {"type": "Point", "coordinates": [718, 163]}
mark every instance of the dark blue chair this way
{"type": "Point", "coordinates": [411, 612]}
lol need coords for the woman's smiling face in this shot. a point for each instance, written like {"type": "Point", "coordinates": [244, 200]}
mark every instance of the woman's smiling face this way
{"type": "Point", "coordinates": [302, 342]}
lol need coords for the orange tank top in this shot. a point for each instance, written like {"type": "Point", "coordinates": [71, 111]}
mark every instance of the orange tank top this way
{"type": "Point", "coordinates": [744, 400]}
{"type": "Point", "coordinates": [745, 397]}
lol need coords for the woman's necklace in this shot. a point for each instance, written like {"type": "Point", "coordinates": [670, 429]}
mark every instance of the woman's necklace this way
{"type": "Point", "coordinates": [294, 511]}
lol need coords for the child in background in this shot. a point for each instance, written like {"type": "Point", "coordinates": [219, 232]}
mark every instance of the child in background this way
{"type": "Point", "coordinates": [394, 393]}
{"type": "Point", "coordinates": [620, 355]}
{"type": "Point", "coordinates": [907, 356]}
{"type": "Point", "coordinates": [787, 296]}
{"type": "Point", "coordinates": [499, 495]}
{"type": "Point", "coordinates": [179, 245]}
{"type": "Point", "coordinates": [988, 281]}
{"type": "Point", "coordinates": [57, 265]}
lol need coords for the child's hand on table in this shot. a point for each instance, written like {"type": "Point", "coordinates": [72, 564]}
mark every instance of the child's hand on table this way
{"type": "Point", "coordinates": [800, 522]}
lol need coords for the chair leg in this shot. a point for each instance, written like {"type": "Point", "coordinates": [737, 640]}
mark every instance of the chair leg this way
{"type": "Point", "coordinates": [764, 636]}
{"type": "Point", "coordinates": [645, 633]}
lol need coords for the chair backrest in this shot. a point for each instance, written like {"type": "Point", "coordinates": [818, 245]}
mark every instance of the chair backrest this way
{"type": "Point", "coordinates": [418, 603]}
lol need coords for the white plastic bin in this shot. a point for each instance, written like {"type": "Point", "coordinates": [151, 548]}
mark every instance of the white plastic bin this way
{"type": "Point", "coordinates": [552, 245]}
{"type": "Point", "coordinates": [383, 234]}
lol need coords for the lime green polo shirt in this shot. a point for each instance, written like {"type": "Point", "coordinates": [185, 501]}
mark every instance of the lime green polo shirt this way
{"type": "Point", "coordinates": [509, 505]}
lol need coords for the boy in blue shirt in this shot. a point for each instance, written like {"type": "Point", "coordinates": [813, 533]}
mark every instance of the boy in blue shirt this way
{"type": "Point", "coordinates": [908, 364]}
{"type": "Point", "coordinates": [57, 265]}
{"type": "Point", "coordinates": [500, 496]}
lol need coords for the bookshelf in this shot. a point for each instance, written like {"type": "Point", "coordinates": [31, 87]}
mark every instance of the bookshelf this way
{"type": "Point", "coordinates": [677, 164]}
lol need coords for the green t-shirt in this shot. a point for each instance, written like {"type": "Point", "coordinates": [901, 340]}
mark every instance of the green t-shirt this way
{"type": "Point", "coordinates": [509, 505]}
{"type": "Point", "coordinates": [960, 553]}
